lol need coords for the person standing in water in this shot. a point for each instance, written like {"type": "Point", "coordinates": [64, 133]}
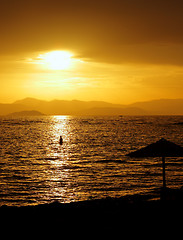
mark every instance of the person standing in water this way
{"type": "Point", "coordinates": [61, 140]}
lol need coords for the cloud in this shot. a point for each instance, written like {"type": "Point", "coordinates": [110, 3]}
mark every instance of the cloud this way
{"type": "Point", "coordinates": [114, 31]}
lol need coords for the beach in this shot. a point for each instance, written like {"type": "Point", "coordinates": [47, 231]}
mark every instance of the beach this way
{"type": "Point", "coordinates": [147, 210]}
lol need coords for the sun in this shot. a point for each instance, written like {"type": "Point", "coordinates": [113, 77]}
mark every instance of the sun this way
{"type": "Point", "coordinates": [56, 60]}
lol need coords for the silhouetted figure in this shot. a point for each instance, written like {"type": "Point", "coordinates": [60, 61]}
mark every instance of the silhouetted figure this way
{"type": "Point", "coordinates": [61, 140]}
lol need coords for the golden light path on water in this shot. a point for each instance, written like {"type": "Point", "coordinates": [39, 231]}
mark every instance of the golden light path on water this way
{"type": "Point", "coordinates": [59, 156]}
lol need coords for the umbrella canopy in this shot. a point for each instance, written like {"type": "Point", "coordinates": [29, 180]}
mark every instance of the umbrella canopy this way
{"type": "Point", "coordinates": [161, 148]}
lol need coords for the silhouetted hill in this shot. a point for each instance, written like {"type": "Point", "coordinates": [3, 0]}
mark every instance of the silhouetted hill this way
{"type": "Point", "coordinates": [161, 106]}
{"type": "Point", "coordinates": [63, 107]}
{"type": "Point", "coordinates": [30, 102]}
{"type": "Point", "coordinates": [25, 113]}
{"type": "Point", "coordinates": [75, 107]}
{"type": "Point", "coordinates": [10, 108]}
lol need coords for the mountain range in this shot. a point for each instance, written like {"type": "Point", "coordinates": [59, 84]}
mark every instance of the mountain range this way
{"type": "Point", "coordinates": [76, 107]}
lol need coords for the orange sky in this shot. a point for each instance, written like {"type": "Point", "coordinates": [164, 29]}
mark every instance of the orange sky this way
{"type": "Point", "coordinates": [122, 50]}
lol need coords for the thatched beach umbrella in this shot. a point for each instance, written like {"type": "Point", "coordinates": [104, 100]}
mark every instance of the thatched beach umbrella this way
{"type": "Point", "coordinates": [161, 148]}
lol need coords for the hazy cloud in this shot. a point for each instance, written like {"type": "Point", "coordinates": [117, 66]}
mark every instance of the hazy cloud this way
{"type": "Point", "coordinates": [109, 31]}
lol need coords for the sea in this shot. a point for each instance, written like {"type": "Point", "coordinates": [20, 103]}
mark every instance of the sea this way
{"type": "Point", "coordinates": [90, 164]}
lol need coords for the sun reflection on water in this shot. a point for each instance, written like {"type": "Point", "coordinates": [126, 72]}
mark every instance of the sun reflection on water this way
{"type": "Point", "coordinates": [58, 157]}
{"type": "Point", "coordinates": [59, 127]}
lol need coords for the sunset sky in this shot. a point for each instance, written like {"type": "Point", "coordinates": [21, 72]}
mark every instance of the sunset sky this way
{"type": "Point", "coordinates": [120, 51]}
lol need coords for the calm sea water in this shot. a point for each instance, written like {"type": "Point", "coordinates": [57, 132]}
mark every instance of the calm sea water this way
{"type": "Point", "coordinates": [90, 164]}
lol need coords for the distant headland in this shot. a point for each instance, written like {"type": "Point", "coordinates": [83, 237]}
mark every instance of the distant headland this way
{"type": "Point", "coordinates": [25, 114]}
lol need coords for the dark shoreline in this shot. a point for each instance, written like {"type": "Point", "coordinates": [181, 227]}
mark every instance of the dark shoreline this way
{"type": "Point", "coordinates": [110, 212]}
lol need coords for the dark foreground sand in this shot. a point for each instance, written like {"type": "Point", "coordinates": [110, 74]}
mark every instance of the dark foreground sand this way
{"type": "Point", "coordinates": [125, 214]}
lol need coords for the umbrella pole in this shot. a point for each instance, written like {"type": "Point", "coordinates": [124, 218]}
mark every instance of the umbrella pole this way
{"type": "Point", "coordinates": [164, 179]}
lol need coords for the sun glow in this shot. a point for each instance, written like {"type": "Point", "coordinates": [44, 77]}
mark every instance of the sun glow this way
{"type": "Point", "coordinates": [56, 60]}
